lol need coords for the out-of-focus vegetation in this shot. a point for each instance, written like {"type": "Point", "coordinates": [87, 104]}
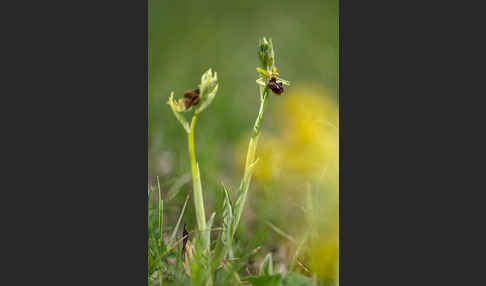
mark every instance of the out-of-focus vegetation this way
{"type": "Point", "coordinates": [292, 208]}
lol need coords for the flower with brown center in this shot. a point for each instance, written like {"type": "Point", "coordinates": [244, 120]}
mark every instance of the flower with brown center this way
{"type": "Point", "coordinates": [191, 97]}
{"type": "Point", "coordinates": [276, 87]}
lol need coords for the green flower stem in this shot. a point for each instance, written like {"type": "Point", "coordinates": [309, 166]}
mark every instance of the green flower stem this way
{"type": "Point", "coordinates": [196, 179]}
{"type": "Point", "coordinates": [250, 161]}
{"type": "Point", "coordinates": [259, 120]}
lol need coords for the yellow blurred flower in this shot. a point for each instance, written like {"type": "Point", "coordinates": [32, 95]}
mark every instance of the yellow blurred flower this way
{"type": "Point", "coordinates": [309, 134]}
{"type": "Point", "coordinates": [306, 143]}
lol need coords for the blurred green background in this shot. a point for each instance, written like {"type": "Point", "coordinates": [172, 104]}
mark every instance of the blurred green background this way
{"type": "Point", "coordinates": [185, 38]}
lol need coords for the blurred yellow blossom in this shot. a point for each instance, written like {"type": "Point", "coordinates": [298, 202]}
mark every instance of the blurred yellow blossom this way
{"type": "Point", "coordinates": [310, 135]}
{"type": "Point", "coordinates": [306, 142]}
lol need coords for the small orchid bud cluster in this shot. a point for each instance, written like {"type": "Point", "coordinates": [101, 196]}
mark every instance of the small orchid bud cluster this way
{"type": "Point", "coordinates": [269, 80]}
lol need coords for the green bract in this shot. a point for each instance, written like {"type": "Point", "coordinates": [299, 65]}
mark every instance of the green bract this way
{"type": "Point", "coordinates": [265, 53]}
{"type": "Point", "coordinates": [178, 107]}
{"type": "Point", "coordinates": [207, 90]}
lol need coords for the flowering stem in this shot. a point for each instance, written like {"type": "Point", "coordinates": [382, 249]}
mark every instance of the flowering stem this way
{"type": "Point", "coordinates": [250, 161]}
{"type": "Point", "coordinates": [258, 122]}
{"type": "Point", "coordinates": [196, 179]}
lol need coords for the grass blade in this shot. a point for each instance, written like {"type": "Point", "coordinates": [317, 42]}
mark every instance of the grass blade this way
{"type": "Point", "coordinates": [161, 208]}
{"type": "Point", "coordinates": [281, 232]}
{"type": "Point", "coordinates": [293, 263]}
{"type": "Point", "coordinates": [267, 266]}
{"type": "Point", "coordinates": [207, 233]}
{"type": "Point", "coordinates": [227, 224]}
{"type": "Point", "coordinates": [177, 185]}
{"type": "Point", "coordinates": [174, 231]}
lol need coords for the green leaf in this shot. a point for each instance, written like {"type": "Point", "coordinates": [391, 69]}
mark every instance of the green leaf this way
{"type": "Point", "coordinates": [295, 279]}
{"type": "Point", "coordinates": [200, 215]}
{"type": "Point", "coordinates": [224, 242]}
{"type": "Point", "coordinates": [207, 233]}
{"type": "Point", "coordinates": [226, 238]}
{"type": "Point", "coordinates": [265, 280]}
{"type": "Point", "coordinates": [245, 184]}
{"type": "Point", "coordinates": [267, 266]}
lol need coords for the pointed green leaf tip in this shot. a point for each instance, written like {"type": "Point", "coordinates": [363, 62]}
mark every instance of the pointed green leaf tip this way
{"type": "Point", "coordinates": [227, 220]}
{"type": "Point", "coordinates": [208, 88]}
{"type": "Point", "coordinates": [267, 266]}
{"type": "Point", "coordinates": [266, 54]}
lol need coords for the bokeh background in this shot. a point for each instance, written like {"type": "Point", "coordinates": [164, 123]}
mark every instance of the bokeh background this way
{"type": "Point", "coordinates": [295, 188]}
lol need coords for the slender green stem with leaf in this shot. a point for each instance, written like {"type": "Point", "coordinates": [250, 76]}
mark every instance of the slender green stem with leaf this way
{"type": "Point", "coordinates": [268, 71]}
{"type": "Point", "coordinates": [196, 179]}
{"type": "Point", "coordinates": [250, 161]}
{"type": "Point", "coordinates": [196, 100]}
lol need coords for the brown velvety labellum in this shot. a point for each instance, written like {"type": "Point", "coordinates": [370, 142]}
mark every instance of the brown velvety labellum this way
{"type": "Point", "coordinates": [191, 97]}
{"type": "Point", "coordinates": [276, 87]}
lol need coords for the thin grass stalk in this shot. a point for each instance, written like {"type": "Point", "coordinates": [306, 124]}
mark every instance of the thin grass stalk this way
{"type": "Point", "coordinates": [160, 209]}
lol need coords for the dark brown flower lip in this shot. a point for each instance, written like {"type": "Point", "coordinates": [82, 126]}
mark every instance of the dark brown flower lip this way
{"type": "Point", "coordinates": [276, 87]}
{"type": "Point", "coordinates": [191, 98]}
